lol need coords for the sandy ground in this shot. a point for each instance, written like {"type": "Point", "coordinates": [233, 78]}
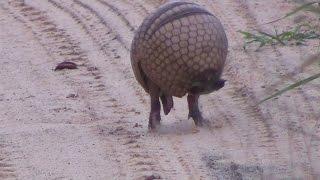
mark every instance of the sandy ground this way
{"type": "Point", "coordinates": [91, 123]}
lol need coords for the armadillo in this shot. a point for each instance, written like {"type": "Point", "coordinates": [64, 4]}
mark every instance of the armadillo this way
{"type": "Point", "coordinates": [179, 49]}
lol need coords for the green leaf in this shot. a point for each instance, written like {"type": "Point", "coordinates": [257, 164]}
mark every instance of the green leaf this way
{"type": "Point", "coordinates": [275, 37]}
{"type": "Point", "coordinates": [246, 35]}
{"type": "Point", "coordinates": [299, 83]}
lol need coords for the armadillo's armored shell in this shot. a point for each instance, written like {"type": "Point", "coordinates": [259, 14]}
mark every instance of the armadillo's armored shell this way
{"type": "Point", "coordinates": [175, 44]}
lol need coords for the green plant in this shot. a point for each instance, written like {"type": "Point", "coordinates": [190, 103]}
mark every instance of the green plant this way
{"type": "Point", "coordinates": [297, 35]}
{"type": "Point", "coordinates": [255, 38]}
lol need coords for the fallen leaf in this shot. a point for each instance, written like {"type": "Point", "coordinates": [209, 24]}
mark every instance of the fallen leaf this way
{"type": "Point", "coordinates": [66, 65]}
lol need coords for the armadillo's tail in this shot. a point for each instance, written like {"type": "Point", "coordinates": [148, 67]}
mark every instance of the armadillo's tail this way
{"type": "Point", "coordinates": [167, 103]}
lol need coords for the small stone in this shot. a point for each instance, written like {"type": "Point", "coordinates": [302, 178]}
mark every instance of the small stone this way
{"type": "Point", "coordinates": [72, 96]}
{"type": "Point", "coordinates": [131, 141]}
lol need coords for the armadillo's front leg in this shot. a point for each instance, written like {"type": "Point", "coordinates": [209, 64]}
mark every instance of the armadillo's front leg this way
{"type": "Point", "coordinates": [194, 111]}
{"type": "Point", "coordinates": [154, 118]}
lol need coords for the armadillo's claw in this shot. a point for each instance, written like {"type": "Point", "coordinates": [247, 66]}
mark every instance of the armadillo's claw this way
{"type": "Point", "coordinates": [194, 111]}
{"type": "Point", "coordinates": [197, 118]}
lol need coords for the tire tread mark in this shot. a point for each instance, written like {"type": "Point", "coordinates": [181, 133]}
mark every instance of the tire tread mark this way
{"type": "Point", "coordinates": [101, 38]}
{"type": "Point", "coordinates": [115, 10]}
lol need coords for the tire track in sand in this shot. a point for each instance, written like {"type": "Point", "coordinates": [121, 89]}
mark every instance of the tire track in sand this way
{"type": "Point", "coordinates": [128, 149]}
{"type": "Point", "coordinates": [143, 11]}
{"type": "Point", "coordinates": [102, 35]}
{"type": "Point", "coordinates": [118, 12]}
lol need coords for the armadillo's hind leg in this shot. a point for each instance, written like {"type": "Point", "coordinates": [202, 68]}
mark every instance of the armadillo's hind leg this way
{"type": "Point", "coordinates": [167, 103]}
{"type": "Point", "coordinates": [194, 111]}
{"type": "Point", "coordinates": [154, 118]}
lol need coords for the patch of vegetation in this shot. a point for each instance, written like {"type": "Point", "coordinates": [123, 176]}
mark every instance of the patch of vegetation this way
{"type": "Point", "coordinates": [298, 35]}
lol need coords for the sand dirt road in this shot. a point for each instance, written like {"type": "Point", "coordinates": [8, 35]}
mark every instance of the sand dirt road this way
{"type": "Point", "coordinates": [91, 123]}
